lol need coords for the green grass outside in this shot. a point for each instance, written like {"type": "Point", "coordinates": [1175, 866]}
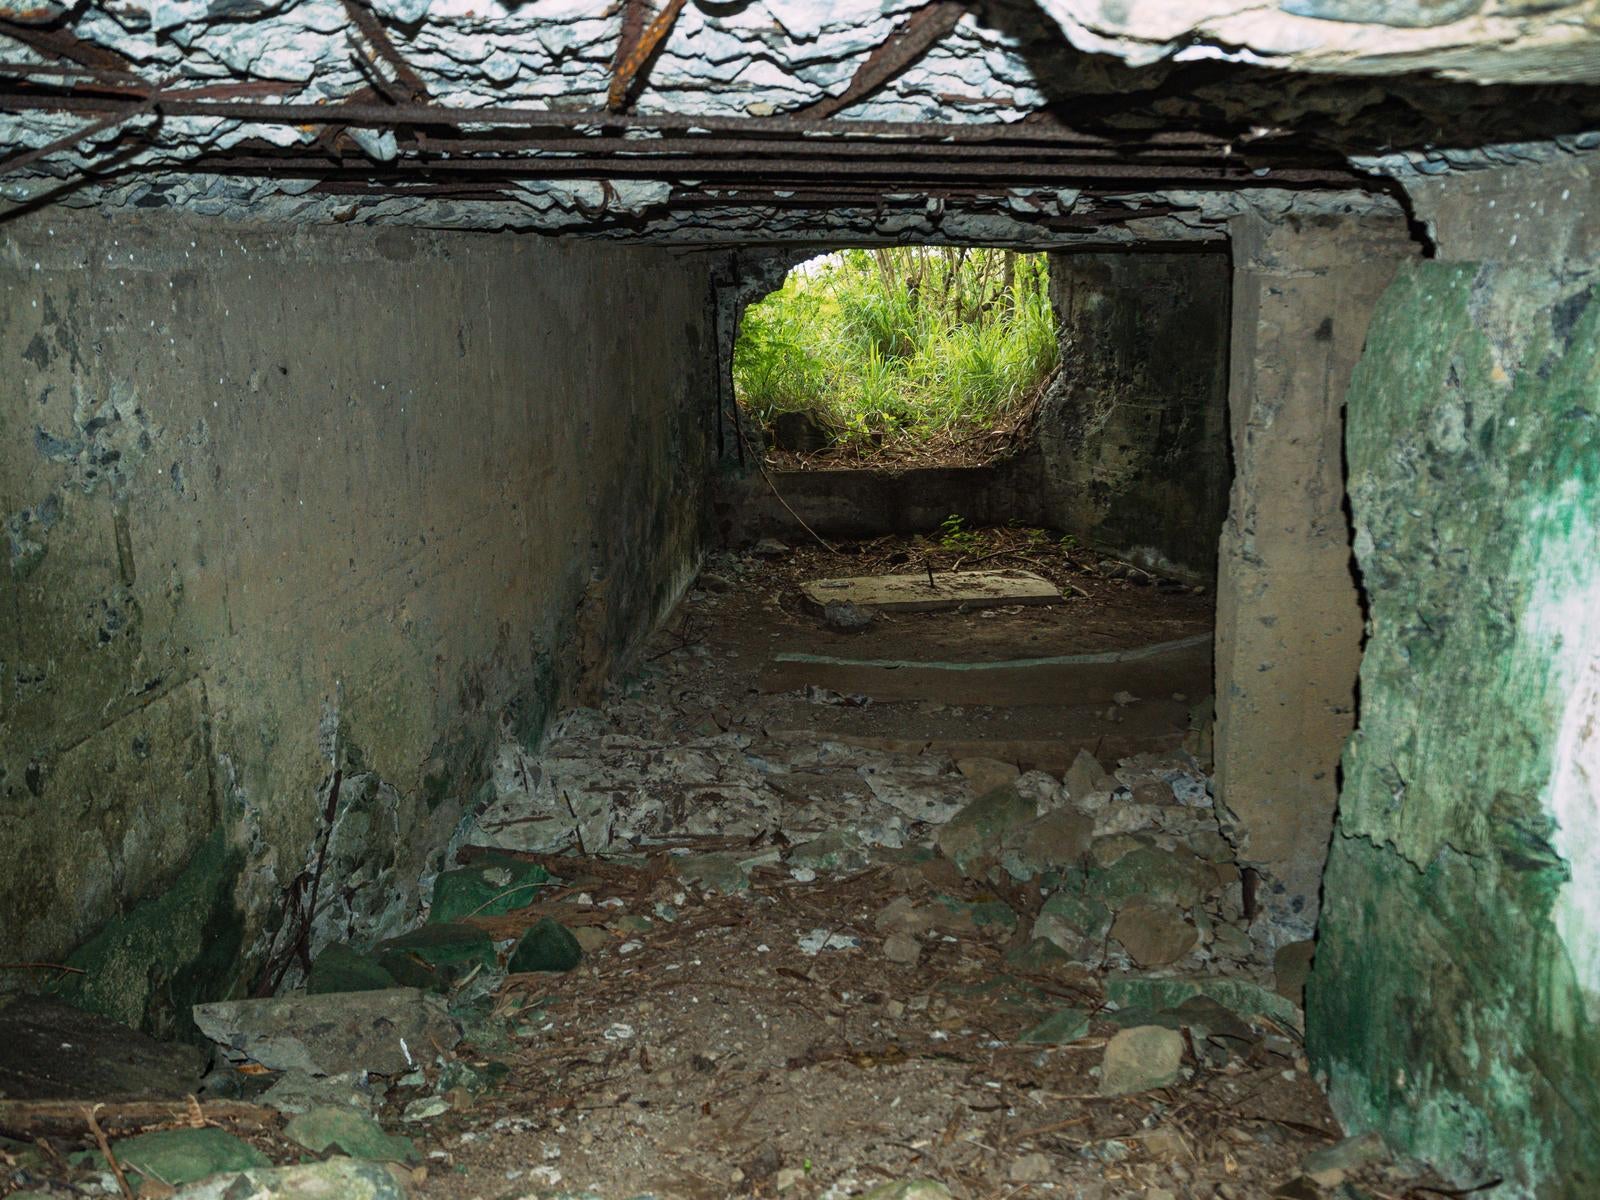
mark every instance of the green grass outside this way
{"type": "Point", "coordinates": [901, 343]}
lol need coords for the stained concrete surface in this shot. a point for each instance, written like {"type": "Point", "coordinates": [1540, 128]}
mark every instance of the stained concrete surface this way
{"type": "Point", "coordinates": [281, 504]}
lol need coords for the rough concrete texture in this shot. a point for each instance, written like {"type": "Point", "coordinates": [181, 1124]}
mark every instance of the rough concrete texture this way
{"type": "Point", "coordinates": [1289, 618]}
{"type": "Point", "coordinates": [1132, 440]}
{"type": "Point", "coordinates": [1455, 999]}
{"type": "Point", "coordinates": [285, 504]}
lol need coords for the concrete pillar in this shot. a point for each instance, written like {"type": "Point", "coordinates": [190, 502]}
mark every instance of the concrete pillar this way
{"type": "Point", "coordinates": [1289, 618]}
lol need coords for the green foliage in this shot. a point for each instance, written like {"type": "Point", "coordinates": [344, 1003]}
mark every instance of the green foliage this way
{"type": "Point", "coordinates": [902, 341]}
{"type": "Point", "coordinates": [956, 536]}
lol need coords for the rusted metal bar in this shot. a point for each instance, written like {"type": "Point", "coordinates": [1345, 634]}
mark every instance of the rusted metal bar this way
{"type": "Point", "coordinates": [383, 47]}
{"type": "Point", "coordinates": [928, 26]}
{"type": "Point", "coordinates": [17, 161]}
{"type": "Point", "coordinates": [59, 43]}
{"type": "Point", "coordinates": [389, 116]}
{"type": "Point", "coordinates": [653, 34]}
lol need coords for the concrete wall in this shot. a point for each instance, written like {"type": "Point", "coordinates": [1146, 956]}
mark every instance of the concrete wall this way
{"type": "Point", "coordinates": [1132, 446]}
{"type": "Point", "coordinates": [1289, 619]}
{"type": "Point", "coordinates": [1455, 999]}
{"type": "Point", "coordinates": [280, 504]}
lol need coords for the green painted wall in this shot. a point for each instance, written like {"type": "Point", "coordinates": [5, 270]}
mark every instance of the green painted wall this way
{"type": "Point", "coordinates": [1455, 1001]}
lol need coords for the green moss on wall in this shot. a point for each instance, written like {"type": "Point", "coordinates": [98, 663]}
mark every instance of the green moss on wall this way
{"type": "Point", "coordinates": [147, 967]}
{"type": "Point", "coordinates": [1445, 1006]}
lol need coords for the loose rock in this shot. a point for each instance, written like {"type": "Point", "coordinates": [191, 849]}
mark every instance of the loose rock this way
{"type": "Point", "coordinates": [1140, 1059]}
{"type": "Point", "coordinates": [548, 946]}
{"type": "Point", "coordinates": [847, 616]}
{"type": "Point", "coordinates": [336, 1179]}
{"type": "Point", "coordinates": [331, 1034]}
{"type": "Point", "coordinates": [1153, 934]}
{"type": "Point", "coordinates": [321, 1130]}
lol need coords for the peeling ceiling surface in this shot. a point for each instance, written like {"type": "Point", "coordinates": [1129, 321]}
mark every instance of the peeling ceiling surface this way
{"type": "Point", "coordinates": [751, 120]}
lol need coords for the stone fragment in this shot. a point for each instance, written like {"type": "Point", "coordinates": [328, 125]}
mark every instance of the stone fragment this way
{"type": "Point", "coordinates": [836, 850]}
{"type": "Point", "coordinates": [491, 886]}
{"type": "Point", "coordinates": [180, 1156]}
{"type": "Point", "coordinates": [1062, 1026]}
{"type": "Point", "coordinates": [437, 956]}
{"type": "Point", "coordinates": [1239, 996]}
{"type": "Point", "coordinates": [385, 1033]}
{"type": "Point", "coordinates": [975, 834]}
{"type": "Point", "coordinates": [769, 547]}
{"type": "Point", "coordinates": [1329, 1166]}
{"type": "Point", "coordinates": [331, 1128]}
{"type": "Point", "coordinates": [336, 1179]}
{"type": "Point", "coordinates": [1291, 966]}
{"type": "Point", "coordinates": [547, 946]}
{"type": "Point", "coordinates": [1086, 776]}
{"type": "Point", "coordinates": [902, 948]}
{"type": "Point", "coordinates": [1211, 846]}
{"type": "Point", "coordinates": [1039, 956]}
{"type": "Point", "coordinates": [1077, 924]}
{"type": "Point", "coordinates": [983, 775]}
{"type": "Point", "coordinates": [296, 1092]}
{"type": "Point", "coordinates": [1054, 842]}
{"type": "Point", "coordinates": [339, 968]}
{"type": "Point", "coordinates": [909, 1189]}
{"type": "Point", "coordinates": [722, 873]}
{"type": "Point", "coordinates": [1154, 934]}
{"type": "Point", "coordinates": [904, 915]}
{"type": "Point", "coordinates": [1126, 816]}
{"type": "Point", "coordinates": [1140, 1059]}
{"type": "Point", "coordinates": [590, 938]}
{"type": "Point", "coordinates": [1150, 873]}
{"type": "Point", "coordinates": [1029, 1168]}
{"type": "Point", "coordinates": [847, 617]}
{"type": "Point", "coordinates": [1107, 850]}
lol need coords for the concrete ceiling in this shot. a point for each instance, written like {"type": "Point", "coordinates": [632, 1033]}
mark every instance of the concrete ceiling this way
{"type": "Point", "coordinates": [775, 119]}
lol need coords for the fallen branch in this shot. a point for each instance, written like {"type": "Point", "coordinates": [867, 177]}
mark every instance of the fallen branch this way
{"type": "Point", "coordinates": [27, 1119]}
{"type": "Point", "coordinates": [105, 1149]}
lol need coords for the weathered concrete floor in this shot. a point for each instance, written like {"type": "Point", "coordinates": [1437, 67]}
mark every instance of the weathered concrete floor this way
{"type": "Point", "coordinates": [821, 955]}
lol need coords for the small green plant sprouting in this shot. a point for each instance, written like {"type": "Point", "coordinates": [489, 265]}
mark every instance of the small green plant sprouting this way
{"type": "Point", "coordinates": [956, 536]}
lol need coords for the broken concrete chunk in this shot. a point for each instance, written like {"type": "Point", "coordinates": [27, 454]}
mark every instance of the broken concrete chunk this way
{"type": "Point", "coordinates": [1077, 924]}
{"type": "Point", "coordinates": [836, 850]}
{"type": "Point", "coordinates": [1153, 933]}
{"type": "Point", "coordinates": [491, 886]}
{"type": "Point", "coordinates": [977, 832]}
{"type": "Point", "coordinates": [983, 775]}
{"type": "Point", "coordinates": [340, 969]}
{"type": "Point", "coordinates": [548, 946]}
{"type": "Point", "coordinates": [1329, 1166]}
{"type": "Point", "coordinates": [1175, 876]}
{"type": "Point", "coordinates": [336, 1179]}
{"type": "Point", "coordinates": [1062, 1026]}
{"type": "Point", "coordinates": [385, 1033]}
{"type": "Point", "coordinates": [909, 1189]}
{"type": "Point", "coordinates": [345, 1131]}
{"type": "Point", "coordinates": [847, 617]}
{"type": "Point", "coordinates": [436, 956]}
{"type": "Point", "coordinates": [967, 590]}
{"type": "Point", "coordinates": [902, 948]}
{"type": "Point", "coordinates": [1239, 996]}
{"type": "Point", "coordinates": [1140, 1059]}
{"type": "Point", "coordinates": [1086, 776]}
{"type": "Point", "coordinates": [180, 1156]}
{"type": "Point", "coordinates": [296, 1092]}
{"type": "Point", "coordinates": [1054, 842]}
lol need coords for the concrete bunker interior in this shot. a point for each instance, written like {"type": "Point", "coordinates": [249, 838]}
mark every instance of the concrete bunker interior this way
{"type": "Point", "coordinates": [414, 748]}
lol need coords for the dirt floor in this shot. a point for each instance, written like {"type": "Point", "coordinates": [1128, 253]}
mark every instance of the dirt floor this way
{"type": "Point", "coordinates": [816, 958]}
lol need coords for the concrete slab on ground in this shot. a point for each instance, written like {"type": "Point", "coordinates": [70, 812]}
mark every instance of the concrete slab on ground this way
{"type": "Point", "coordinates": [948, 590]}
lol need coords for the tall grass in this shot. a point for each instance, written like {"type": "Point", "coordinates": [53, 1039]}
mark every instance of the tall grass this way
{"type": "Point", "coordinates": [900, 342]}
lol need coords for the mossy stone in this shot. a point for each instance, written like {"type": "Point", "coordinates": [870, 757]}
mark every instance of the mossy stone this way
{"type": "Point", "coordinates": [180, 1156]}
{"type": "Point", "coordinates": [340, 969]}
{"type": "Point", "coordinates": [436, 956]}
{"type": "Point", "coordinates": [548, 946]}
{"type": "Point", "coordinates": [329, 1127]}
{"type": "Point", "coordinates": [1062, 1026]}
{"type": "Point", "coordinates": [494, 885]}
